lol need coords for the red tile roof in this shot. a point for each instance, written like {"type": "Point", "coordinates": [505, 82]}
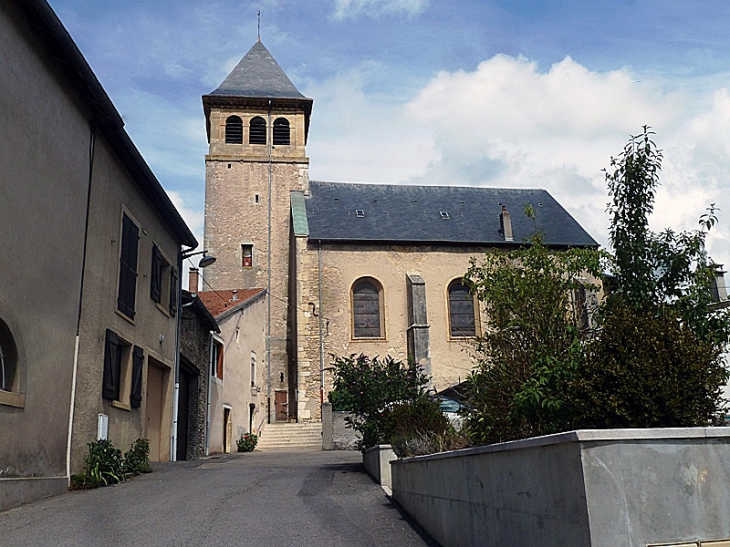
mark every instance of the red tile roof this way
{"type": "Point", "coordinates": [221, 301]}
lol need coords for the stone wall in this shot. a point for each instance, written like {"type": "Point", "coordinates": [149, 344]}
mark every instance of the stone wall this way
{"type": "Point", "coordinates": [194, 351]}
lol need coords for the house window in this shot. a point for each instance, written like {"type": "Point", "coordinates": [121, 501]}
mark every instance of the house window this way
{"type": "Point", "coordinates": [234, 130]}
{"type": "Point", "coordinates": [216, 360]}
{"type": "Point", "coordinates": [367, 303]}
{"type": "Point", "coordinates": [253, 369]}
{"type": "Point", "coordinates": [128, 267]}
{"type": "Point", "coordinates": [461, 310]}
{"type": "Point", "coordinates": [123, 370]}
{"type": "Point", "coordinates": [247, 255]}
{"type": "Point", "coordinates": [257, 131]}
{"type": "Point", "coordinates": [281, 132]}
{"type": "Point", "coordinates": [163, 282]}
{"type": "Point", "coordinates": [8, 360]}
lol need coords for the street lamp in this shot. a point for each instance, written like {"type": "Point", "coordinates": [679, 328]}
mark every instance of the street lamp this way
{"type": "Point", "coordinates": [205, 261]}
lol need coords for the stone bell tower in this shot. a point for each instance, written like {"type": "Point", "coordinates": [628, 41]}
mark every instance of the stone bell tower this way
{"type": "Point", "coordinates": [257, 124]}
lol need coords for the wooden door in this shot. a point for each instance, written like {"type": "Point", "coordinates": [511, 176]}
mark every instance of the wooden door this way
{"type": "Point", "coordinates": [281, 404]}
{"type": "Point", "coordinates": [154, 410]}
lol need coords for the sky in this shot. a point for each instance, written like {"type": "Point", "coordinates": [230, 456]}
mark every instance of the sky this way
{"type": "Point", "coordinates": [497, 93]}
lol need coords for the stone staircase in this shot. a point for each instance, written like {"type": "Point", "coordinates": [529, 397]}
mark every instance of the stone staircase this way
{"type": "Point", "coordinates": [278, 437]}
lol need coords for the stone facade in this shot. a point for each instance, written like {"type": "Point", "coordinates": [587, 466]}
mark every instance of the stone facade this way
{"type": "Point", "coordinates": [391, 265]}
{"type": "Point", "coordinates": [196, 325]}
{"type": "Point", "coordinates": [407, 244]}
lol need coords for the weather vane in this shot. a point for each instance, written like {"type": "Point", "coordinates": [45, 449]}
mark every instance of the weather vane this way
{"type": "Point", "coordinates": [259, 27]}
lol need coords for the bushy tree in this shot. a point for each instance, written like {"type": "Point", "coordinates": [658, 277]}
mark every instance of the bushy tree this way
{"type": "Point", "coordinates": [655, 358]}
{"type": "Point", "coordinates": [533, 337]}
{"type": "Point", "coordinates": [658, 360]}
{"type": "Point", "coordinates": [371, 388]}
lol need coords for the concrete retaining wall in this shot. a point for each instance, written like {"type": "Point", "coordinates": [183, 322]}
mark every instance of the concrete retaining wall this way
{"type": "Point", "coordinates": [377, 460]}
{"type": "Point", "coordinates": [335, 433]}
{"type": "Point", "coordinates": [611, 488]}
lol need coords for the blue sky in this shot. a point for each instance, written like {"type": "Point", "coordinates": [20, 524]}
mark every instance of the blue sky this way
{"type": "Point", "coordinates": [489, 93]}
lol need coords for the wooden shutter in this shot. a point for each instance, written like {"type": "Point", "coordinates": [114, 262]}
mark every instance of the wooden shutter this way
{"type": "Point", "coordinates": [173, 291]}
{"type": "Point", "coordinates": [110, 390]}
{"type": "Point", "coordinates": [135, 398]}
{"type": "Point", "coordinates": [366, 310]}
{"type": "Point", "coordinates": [156, 282]}
{"type": "Point", "coordinates": [128, 267]}
{"type": "Point", "coordinates": [461, 310]}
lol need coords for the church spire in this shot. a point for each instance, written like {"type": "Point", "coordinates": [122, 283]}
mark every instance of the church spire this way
{"type": "Point", "coordinates": [258, 75]}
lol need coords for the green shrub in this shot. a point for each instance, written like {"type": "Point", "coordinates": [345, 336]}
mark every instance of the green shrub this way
{"type": "Point", "coordinates": [247, 442]}
{"type": "Point", "coordinates": [137, 458]}
{"type": "Point", "coordinates": [419, 427]}
{"type": "Point", "coordinates": [104, 465]}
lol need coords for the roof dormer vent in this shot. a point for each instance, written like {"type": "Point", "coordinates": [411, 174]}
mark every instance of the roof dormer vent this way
{"type": "Point", "coordinates": [360, 213]}
{"type": "Point", "coordinates": [445, 215]}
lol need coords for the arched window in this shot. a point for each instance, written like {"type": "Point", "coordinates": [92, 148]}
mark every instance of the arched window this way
{"type": "Point", "coordinates": [461, 310]}
{"type": "Point", "coordinates": [8, 360]}
{"type": "Point", "coordinates": [234, 130]}
{"type": "Point", "coordinates": [367, 303]}
{"type": "Point", "coordinates": [257, 131]}
{"type": "Point", "coordinates": [281, 132]}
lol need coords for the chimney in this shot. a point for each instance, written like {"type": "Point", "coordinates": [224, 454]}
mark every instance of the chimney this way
{"type": "Point", "coordinates": [234, 292]}
{"type": "Point", "coordinates": [505, 223]}
{"type": "Point", "coordinates": [193, 280]}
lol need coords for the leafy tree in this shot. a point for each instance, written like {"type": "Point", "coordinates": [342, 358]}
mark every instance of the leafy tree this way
{"type": "Point", "coordinates": [655, 358]}
{"type": "Point", "coordinates": [658, 359]}
{"type": "Point", "coordinates": [533, 337]}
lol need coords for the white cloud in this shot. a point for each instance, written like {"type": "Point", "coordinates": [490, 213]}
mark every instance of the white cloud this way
{"type": "Point", "coordinates": [520, 127]}
{"type": "Point", "coordinates": [192, 217]}
{"type": "Point", "coordinates": [351, 9]}
{"type": "Point", "coordinates": [508, 124]}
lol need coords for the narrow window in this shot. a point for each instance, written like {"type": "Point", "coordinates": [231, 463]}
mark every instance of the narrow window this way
{"type": "Point", "coordinates": [8, 359]}
{"type": "Point", "coordinates": [234, 131]}
{"type": "Point", "coordinates": [216, 361]}
{"type": "Point", "coordinates": [461, 310]}
{"type": "Point", "coordinates": [257, 131]}
{"type": "Point", "coordinates": [366, 309]}
{"type": "Point", "coordinates": [128, 267]}
{"type": "Point", "coordinates": [281, 132]}
{"type": "Point", "coordinates": [247, 255]}
{"type": "Point", "coordinates": [253, 370]}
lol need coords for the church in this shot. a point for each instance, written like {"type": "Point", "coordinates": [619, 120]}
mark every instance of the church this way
{"type": "Point", "coordinates": [348, 268]}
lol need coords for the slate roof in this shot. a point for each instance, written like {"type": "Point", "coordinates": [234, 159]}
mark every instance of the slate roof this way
{"type": "Point", "coordinates": [258, 75]}
{"type": "Point", "coordinates": [220, 302]}
{"type": "Point", "coordinates": [351, 213]}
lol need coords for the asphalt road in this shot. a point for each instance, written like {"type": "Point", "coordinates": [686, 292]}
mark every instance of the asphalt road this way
{"type": "Point", "coordinates": [322, 499]}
